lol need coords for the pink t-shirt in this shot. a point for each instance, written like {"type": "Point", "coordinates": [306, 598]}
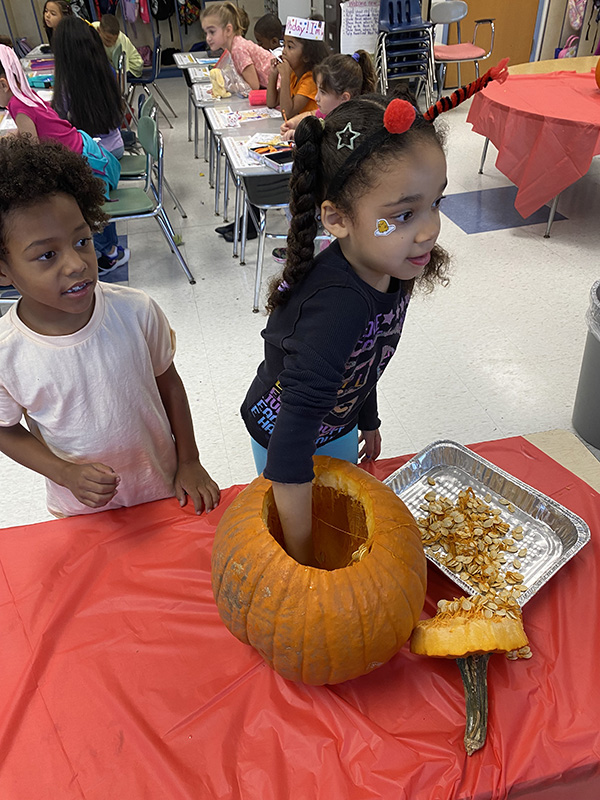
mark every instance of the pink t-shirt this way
{"type": "Point", "coordinates": [244, 52]}
{"type": "Point", "coordinates": [48, 124]}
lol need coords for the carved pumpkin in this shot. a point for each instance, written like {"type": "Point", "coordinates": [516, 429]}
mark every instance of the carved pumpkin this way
{"type": "Point", "coordinates": [337, 622]}
{"type": "Point", "coordinates": [470, 629]}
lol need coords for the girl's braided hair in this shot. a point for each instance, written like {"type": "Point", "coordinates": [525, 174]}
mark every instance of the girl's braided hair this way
{"type": "Point", "coordinates": [324, 171]}
{"type": "Point", "coordinates": [30, 172]}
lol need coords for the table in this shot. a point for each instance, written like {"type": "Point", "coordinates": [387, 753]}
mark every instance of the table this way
{"type": "Point", "coordinates": [119, 680]}
{"type": "Point", "coordinates": [537, 120]}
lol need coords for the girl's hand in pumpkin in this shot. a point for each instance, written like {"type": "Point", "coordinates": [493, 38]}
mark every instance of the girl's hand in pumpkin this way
{"type": "Point", "coordinates": [194, 481]}
{"type": "Point", "coordinates": [371, 445]}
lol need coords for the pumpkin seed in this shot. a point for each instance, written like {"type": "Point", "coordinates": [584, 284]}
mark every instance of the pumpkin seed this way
{"type": "Point", "coordinates": [431, 481]}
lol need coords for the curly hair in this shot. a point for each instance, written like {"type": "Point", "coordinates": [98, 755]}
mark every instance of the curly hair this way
{"type": "Point", "coordinates": [32, 171]}
{"type": "Point", "coordinates": [343, 73]}
{"type": "Point", "coordinates": [324, 171]}
{"type": "Point", "coordinates": [94, 104]}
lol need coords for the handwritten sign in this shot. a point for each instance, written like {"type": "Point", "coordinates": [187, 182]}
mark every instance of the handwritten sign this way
{"type": "Point", "coordinates": [359, 26]}
{"type": "Point", "coordinates": [305, 28]}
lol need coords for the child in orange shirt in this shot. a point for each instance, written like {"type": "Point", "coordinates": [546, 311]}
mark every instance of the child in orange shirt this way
{"type": "Point", "coordinates": [301, 52]}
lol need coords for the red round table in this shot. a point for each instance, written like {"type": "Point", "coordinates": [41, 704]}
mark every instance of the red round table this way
{"type": "Point", "coordinates": [546, 129]}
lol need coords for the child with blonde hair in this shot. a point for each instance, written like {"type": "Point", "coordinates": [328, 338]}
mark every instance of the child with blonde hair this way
{"type": "Point", "coordinates": [224, 25]}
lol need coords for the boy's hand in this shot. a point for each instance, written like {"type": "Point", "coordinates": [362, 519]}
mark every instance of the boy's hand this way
{"type": "Point", "coordinates": [94, 485]}
{"type": "Point", "coordinates": [193, 480]}
{"type": "Point", "coordinates": [371, 445]}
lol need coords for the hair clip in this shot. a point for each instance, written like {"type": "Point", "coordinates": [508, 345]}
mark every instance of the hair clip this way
{"type": "Point", "coordinates": [399, 116]}
{"type": "Point", "coordinates": [356, 57]}
{"type": "Point", "coordinates": [283, 286]}
{"type": "Point", "coordinates": [346, 137]}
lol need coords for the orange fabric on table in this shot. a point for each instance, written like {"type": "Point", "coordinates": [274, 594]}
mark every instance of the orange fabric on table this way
{"type": "Point", "coordinates": [120, 681]}
{"type": "Point", "coordinates": [305, 86]}
{"type": "Point", "coordinates": [546, 128]}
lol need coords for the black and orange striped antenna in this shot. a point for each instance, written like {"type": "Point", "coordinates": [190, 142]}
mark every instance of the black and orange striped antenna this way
{"type": "Point", "coordinates": [498, 73]}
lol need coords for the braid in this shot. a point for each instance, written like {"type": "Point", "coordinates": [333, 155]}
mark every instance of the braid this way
{"type": "Point", "coordinates": [303, 227]}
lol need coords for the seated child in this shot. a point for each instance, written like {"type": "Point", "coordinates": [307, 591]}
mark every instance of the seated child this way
{"type": "Point", "coordinates": [89, 365]}
{"type": "Point", "coordinates": [53, 12]}
{"type": "Point", "coordinates": [111, 33]}
{"type": "Point", "coordinates": [268, 31]}
{"type": "Point", "coordinates": [223, 24]}
{"type": "Point", "coordinates": [297, 90]}
{"type": "Point", "coordinates": [338, 78]}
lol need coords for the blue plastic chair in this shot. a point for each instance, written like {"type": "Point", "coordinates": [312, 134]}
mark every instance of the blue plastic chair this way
{"type": "Point", "coordinates": [399, 14]}
{"type": "Point", "coordinates": [148, 78]}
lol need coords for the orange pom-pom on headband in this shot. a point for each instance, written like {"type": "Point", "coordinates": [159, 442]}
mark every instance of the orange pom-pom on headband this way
{"type": "Point", "coordinates": [399, 116]}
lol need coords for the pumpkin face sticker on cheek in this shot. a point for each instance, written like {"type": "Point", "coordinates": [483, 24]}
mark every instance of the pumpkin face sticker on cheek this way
{"type": "Point", "coordinates": [383, 228]}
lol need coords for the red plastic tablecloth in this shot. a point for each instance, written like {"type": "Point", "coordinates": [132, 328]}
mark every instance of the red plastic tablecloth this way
{"type": "Point", "coordinates": [119, 682]}
{"type": "Point", "coordinates": [546, 129]}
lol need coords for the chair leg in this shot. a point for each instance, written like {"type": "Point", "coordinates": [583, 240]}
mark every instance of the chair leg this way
{"type": "Point", "coordinates": [244, 233]}
{"type": "Point", "coordinates": [236, 220]}
{"type": "Point", "coordinates": [226, 191]}
{"type": "Point", "coordinates": [169, 106]}
{"type": "Point", "coordinates": [260, 256]}
{"type": "Point", "coordinates": [476, 69]}
{"type": "Point", "coordinates": [167, 222]}
{"type": "Point", "coordinates": [189, 115]}
{"type": "Point", "coordinates": [178, 205]}
{"type": "Point", "coordinates": [483, 155]}
{"type": "Point", "coordinates": [162, 219]}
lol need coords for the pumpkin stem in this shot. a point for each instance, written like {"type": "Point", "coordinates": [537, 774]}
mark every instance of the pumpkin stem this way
{"type": "Point", "coordinates": [473, 670]}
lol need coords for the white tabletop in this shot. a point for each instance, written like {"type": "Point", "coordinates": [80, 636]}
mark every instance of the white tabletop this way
{"type": "Point", "coordinates": [241, 162]}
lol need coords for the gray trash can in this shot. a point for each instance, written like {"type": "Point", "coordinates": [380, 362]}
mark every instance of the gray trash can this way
{"type": "Point", "coordinates": [586, 411]}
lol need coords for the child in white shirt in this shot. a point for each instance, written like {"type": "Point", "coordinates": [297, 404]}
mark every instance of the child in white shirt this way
{"type": "Point", "coordinates": [89, 365]}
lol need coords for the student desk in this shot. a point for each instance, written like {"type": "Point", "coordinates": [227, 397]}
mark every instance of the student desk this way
{"type": "Point", "coordinates": [120, 681]}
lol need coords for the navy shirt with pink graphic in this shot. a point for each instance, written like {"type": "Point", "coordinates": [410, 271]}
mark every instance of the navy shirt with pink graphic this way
{"type": "Point", "coordinates": [324, 353]}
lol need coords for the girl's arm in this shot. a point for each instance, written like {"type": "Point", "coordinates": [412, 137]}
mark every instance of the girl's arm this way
{"type": "Point", "coordinates": [286, 103]}
{"type": "Point", "coordinates": [272, 91]}
{"type": "Point", "coordinates": [299, 101]}
{"type": "Point", "coordinates": [292, 124]}
{"type": "Point", "coordinates": [191, 478]}
{"type": "Point", "coordinates": [26, 125]}
{"type": "Point", "coordinates": [92, 484]}
{"type": "Point", "coordinates": [294, 504]}
{"type": "Point", "coordinates": [250, 75]}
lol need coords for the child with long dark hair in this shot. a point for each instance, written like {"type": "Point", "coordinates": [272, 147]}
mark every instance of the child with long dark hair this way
{"type": "Point", "coordinates": [54, 11]}
{"type": "Point", "coordinates": [85, 86]}
{"type": "Point", "coordinates": [34, 117]}
{"type": "Point", "coordinates": [375, 170]}
{"type": "Point", "coordinates": [297, 89]}
{"type": "Point", "coordinates": [89, 364]}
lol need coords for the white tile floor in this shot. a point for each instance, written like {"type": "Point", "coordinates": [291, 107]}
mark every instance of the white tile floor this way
{"type": "Point", "coordinates": [495, 354]}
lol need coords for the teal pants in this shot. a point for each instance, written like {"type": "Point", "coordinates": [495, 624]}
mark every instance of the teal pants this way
{"type": "Point", "coordinates": [346, 448]}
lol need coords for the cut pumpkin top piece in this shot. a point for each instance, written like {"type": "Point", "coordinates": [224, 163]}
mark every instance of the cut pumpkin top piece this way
{"type": "Point", "coordinates": [469, 626]}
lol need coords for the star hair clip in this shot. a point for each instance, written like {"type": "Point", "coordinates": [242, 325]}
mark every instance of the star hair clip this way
{"type": "Point", "coordinates": [346, 137]}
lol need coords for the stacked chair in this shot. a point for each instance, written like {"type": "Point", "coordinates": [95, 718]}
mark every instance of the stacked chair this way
{"type": "Point", "coordinates": [405, 47]}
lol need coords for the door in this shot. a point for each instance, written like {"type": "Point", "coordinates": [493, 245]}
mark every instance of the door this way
{"type": "Point", "coordinates": [514, 21]}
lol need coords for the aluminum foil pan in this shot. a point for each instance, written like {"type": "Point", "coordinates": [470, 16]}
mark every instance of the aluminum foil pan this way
{"type": "Point", "coordinates": [551, 533]}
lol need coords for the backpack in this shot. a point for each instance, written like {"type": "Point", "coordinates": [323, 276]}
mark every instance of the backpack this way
{"type": "Point", "coordinates": [570, 48]}
{"type": "Point", "coordinates": [576, 12]}
{"type": "Point", "coordinates": [130, 10]}
{"type": "Point", "coordinates": [189, 12]}
{"type": "Point", "coordinates": [22, 47]}
{"type": "Point", "coordinates": [146, 53]}
{"type": "Point", "coordinates": [162, 9]}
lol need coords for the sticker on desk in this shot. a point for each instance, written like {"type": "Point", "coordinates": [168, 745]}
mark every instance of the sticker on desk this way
{"type": "Point", "coordinates": [199, 74]}
{"type": "Point", "coordinates": [203, 93]}
{"type": "Point", "coordinates": [226, 118]}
